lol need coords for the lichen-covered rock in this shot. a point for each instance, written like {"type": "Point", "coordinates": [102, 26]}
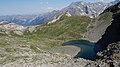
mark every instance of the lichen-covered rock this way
{"type": "Point", "coordinates": [47, 59]}
{"type": "Point", "coordinates": [18, 32]}
{"type": "Point", "coordinates": [111, 56]}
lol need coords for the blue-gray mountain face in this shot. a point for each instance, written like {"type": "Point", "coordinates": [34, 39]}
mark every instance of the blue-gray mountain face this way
{"type": "Point", "coordinates": [75, 8]}
{"type": "Point", "coordinates": [18, 19]}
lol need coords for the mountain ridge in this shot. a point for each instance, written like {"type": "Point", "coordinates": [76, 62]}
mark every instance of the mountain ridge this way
{"type": "Point", "coordinates": [80, 8]}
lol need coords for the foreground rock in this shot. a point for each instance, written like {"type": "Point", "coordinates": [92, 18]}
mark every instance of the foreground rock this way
{"type": "Point", "coordinates": [47, 59]}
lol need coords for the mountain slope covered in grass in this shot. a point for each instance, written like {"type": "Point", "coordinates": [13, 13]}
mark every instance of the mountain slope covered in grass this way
{"type": "Point", "coordinates": [69, 28]}
{"type": "Point", "coordinates": [46, 37]}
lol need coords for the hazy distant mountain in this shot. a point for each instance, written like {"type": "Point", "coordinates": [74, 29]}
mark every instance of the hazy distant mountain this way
{"type": "Point", "coordinates": [45, 17]}
{"type": "Point", "coordinates": [18, 19]}
{"type": "Point", "coordinates": [80, 8]}
{"type": "Point", "coordinates": [77, 9]}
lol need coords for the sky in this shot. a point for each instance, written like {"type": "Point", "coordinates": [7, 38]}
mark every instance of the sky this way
{"type": "Point", "coordinates": [21, 7]}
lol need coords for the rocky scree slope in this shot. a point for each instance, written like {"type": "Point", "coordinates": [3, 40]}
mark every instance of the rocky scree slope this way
{"type": "Point", "coordinates": [107, 58]}
{"type": "Point", "coordinates": [100, 24]}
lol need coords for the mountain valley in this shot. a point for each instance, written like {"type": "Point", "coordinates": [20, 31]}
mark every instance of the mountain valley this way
{"type": "Point", "coordinates": [37, 44]}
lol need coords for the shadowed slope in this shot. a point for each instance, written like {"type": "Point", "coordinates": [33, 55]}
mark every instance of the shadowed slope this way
{"type": "Point", "coordinates": [112, 33]}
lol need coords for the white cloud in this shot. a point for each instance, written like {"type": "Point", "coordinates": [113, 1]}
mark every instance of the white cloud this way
{"type": "Point", "coordinates": [47, 2]}
{"type": "Point", "coordinates": [106, 0]}
{"type": "Point", "coordinates": [49, 8]}
{"type": "Point", "coordinates": [41, 3]}
{"type": "Point", "coordinates": [101, 0]}
{"type": "Point", "coordinates": [44, 3]}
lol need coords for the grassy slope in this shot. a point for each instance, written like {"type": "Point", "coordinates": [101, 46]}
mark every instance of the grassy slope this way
{"type": "Point", "coordinates": [72, 27]}
{"type": "Point", "coordinates": [47, 36]}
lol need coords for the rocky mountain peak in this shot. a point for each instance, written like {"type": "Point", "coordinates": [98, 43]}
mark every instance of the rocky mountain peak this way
{"type": "Point", "coordinates": [86, 9]}
{"type": "Point", "coordinates": [117, 0]}
{"type": "Point", "coordinates": [79, 8]}
{"type": "Point", "coordinates": [77, 3]}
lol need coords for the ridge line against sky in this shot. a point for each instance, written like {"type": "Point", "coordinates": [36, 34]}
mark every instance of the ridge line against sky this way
{"type": "Point", "coordinates": [14, 7]}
